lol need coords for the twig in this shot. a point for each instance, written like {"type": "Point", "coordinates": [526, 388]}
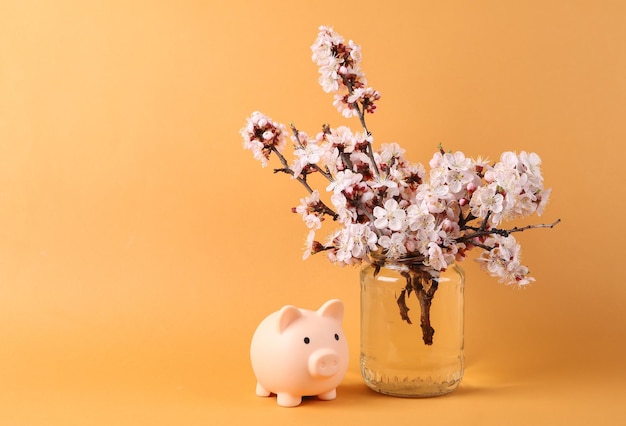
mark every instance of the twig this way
{"type": "Point", "coordinates": [361, 111]}
{"type": "Point", "coordinates": [481, 232]}
{"type": "Point", "coordinates": [287, 169]}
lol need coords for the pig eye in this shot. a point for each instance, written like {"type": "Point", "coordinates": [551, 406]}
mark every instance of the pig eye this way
{"type": "Point", "coordinates": [336, 336]}
{"type": "Point", "coordinates": [307, 340]}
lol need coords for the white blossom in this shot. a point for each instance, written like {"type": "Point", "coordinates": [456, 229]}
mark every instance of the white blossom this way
{"type": "Point", "coordinates": [436, 258]}
{"type": "Point", "coordinates": [308, 153]}
{"type": "Point", "coordinates": [394, 245]}
{"type": "Point", "coordinates": [308, 246]}
{"type": "Point", "coordinates": [503, 261]}
{"type": "Point", "coordinates": [325, 58]}
{"type": "Point", "coordinates": [344, 180]}
{"type": "Point", "coordinates": [485, 200]}
{"type": "Point", "coordinates": [392, 216]}
{"type": "Point", "coordinates": [352, 244]}
{"type": "Point", "coordinates": [309, 209]}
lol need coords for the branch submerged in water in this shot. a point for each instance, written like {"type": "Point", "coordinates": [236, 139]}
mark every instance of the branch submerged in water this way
{"type": "Point", "coordinates": [424, 286]}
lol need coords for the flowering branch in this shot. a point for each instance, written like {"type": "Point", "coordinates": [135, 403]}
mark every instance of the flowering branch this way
{"type": "Point", "coordinates": [383, 204]}
{"type": "Point", "coordinates": [320, 207]}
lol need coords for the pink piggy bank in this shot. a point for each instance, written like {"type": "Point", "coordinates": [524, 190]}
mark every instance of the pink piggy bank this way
{"type": "Point", "coordinates": [297, 352]}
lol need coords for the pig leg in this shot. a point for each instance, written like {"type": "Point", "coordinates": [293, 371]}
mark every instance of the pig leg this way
{"type": "Point", "coordinates": [328, 395]}
{"type": "Point", "coordinates": [261, 391]}
{"type": "Point", "coordinates": [287, 400]}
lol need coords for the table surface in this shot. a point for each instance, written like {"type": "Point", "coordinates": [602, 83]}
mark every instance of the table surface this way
{"type": "Point", "coordinates": [128, 386]}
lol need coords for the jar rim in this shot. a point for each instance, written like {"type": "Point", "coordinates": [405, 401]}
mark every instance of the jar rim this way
{"type": "Point", "coordinates": [378, 258]}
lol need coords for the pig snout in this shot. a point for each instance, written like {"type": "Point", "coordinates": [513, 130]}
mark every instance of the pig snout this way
{"type": "Point", "coordinates": [324, 363]}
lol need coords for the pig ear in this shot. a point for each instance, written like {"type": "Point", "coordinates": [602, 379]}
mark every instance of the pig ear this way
{"type": "Point", "coordinates": [286, 316]}
{"type": "Point", "coordinates": [333, 309]}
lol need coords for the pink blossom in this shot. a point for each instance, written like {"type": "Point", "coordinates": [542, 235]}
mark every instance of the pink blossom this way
{"type": "Point", "coordinates": [381, 202]}
{"type": "Point", "coordinates": [261, 135]}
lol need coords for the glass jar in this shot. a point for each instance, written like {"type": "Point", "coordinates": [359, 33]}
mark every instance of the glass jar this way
{"type": "Point", "coordinates": [411, 327]}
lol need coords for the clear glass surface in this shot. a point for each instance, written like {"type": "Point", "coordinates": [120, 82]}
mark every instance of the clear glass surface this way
{"type": "Point", "coordinates": [395, 359]}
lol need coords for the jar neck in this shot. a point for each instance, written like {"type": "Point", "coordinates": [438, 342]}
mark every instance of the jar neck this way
{"type": "Point", "coordinates": [380, 260]}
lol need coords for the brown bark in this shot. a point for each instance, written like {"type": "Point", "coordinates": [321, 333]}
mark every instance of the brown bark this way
{"type": "Point", "coordinates": [424, 286]}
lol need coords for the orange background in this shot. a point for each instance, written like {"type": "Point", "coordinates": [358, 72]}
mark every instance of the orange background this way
{"type": "Point", "coordinates": [140, 245]}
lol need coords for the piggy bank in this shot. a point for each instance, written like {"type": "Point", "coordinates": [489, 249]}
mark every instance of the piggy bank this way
{"type": "Point", "coordinates": [297, 352]}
